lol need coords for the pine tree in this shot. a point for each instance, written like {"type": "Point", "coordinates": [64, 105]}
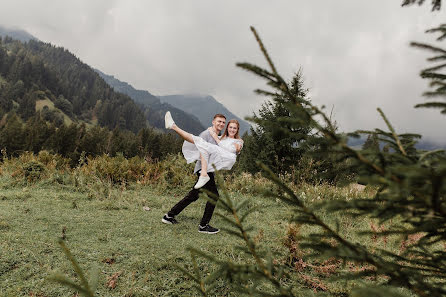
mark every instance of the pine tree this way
{"type": "Point", "coordinates": [270, 141]}
{"type": "Point", "coordinates": [12, 135]}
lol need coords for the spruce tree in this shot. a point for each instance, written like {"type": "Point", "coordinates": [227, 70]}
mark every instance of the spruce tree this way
{"type": "Point", "coordinates": [270, 142]}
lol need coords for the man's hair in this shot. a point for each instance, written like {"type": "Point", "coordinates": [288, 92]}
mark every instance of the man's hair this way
{"type": "Point", "coordinates": [219, 115]}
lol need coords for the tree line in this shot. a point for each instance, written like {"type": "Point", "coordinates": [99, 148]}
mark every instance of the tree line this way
{"type": "Point", "coordinates": [71, 141]}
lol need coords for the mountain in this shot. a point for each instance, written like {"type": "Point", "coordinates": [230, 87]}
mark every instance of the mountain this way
{"type": "Point", "coordinates": [17, 34]}
{"type": "Point", "coordinates": [421, 144]}
{"type": "Point", "coordinates": [154, 110]}
{"type": "Point", "coordinates": [40, 78]}
{"type": "Point", "coordinates": [204, 107]}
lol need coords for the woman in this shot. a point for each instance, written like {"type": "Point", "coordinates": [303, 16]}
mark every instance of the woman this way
{"type": "Point", "coordinates": [222, 156]}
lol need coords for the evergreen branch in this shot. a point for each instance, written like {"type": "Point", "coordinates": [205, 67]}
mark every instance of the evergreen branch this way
{"type": "Point", "coordinates": [257, 70]}
{"type": "Point", "coordinates": [431, 104]}
{"type": "Point", "coordinates": [395, 136]}
{"type": "Point", "coordinates": [249, 243]}
{"type": "Point", "coordinates": [441, 29]}
{"type": "Point", "coordinates": [264, 93]}
{"type": "Point", "coordinates": [84, 288]}
{"type": "Point", "coordinates": [61, 279]}
{"type": "Point", "coordinates": [77, 268]}
{"type": "Point", "coordinates": [197, 272]}
{"type": "Point", "coordinates": [439, 83]}
{"type": "Point", "coordinates": [430, 153]}
{"type": "Point", "coordinates": [437, 93]}
{"type": "Point", "coordinates": [438, 67]}
{"type": "Point", "coordinates": [265, 53]}
{"type": "Point", "coordinates": [433, 75]}
{"type": "Point", "coordinates": [359, 251]}
{"type": "Point", "coordinates": [427, 47]}
{"type": "Point", "coordinates": [332, 136]}
{"type": "Point", "coordinates": [280, 83]}
{"type": "Point", "coordinates": [437, 58]}
{"type": "Point", "coordinates": [436, 4]}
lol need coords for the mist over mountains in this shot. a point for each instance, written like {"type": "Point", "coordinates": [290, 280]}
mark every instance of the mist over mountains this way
{"type": "Point", "coordinates": [17, 34]}
{"type": "Point", "coordinates": [204, 107]}
{"type": "Point", "coordinates": [192, 113]}
{"type": "Point", "coordinates": [154, 110]}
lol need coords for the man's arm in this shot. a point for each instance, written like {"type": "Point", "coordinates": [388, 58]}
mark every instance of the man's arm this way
{"type": "Point", "coordinates": [238, 146]}
{"type": "Point", "coordinates": [214, 135]}
{"type": "Point", "coordinates": [207, 137]}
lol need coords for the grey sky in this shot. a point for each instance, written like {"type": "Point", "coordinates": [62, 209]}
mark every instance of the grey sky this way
{"type": "Point", "coordinates": [354, 54]}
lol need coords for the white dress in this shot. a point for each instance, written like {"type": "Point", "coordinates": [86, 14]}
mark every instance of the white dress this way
{"type": "Point", "coordinates": [222, 156]}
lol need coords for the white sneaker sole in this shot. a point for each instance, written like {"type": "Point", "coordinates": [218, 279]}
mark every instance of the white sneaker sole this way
{"type": "Point", "coordinates": [201, 182]}
{"type": "Point", "coordinates": [207, 232]}
{"type": "Point", "coordinates": [166, 221]}
{"type": "Point", "coordinates": [168, 121]}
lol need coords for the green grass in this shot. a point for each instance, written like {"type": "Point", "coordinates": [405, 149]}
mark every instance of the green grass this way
{"type": "Point", "coordinates": [106, 225]}
{"type": "Point", "coordinates": [143, 249]}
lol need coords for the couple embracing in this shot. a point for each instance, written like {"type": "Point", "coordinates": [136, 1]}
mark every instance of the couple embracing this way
{"type": "Point", "coordinates": [209, 151]}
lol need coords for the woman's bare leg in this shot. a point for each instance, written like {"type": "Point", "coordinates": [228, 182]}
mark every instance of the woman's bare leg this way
{"type": "Point", "coordinates": [188, 137]}
{"type": "Point", "coordinates": [204, 166]}
{"type": "Point", "coordinates": [185, 135]}
{"type": "Point", "coordinates": [204, 177]}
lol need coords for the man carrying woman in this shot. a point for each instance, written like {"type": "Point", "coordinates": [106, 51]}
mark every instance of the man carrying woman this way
{"type": "Point", "coordinates": [208, 150]}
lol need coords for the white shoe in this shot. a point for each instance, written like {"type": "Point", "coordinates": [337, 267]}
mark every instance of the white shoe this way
{"type": "Point", "coordinates": [168, 121]}
{"type": "Point", "coordinates": [202, 180]}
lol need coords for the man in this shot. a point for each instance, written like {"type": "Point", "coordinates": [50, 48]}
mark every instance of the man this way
{"type": "Point", "coordinates": [218, 123]}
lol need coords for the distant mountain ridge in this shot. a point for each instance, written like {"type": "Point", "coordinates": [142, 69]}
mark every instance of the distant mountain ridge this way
{"type": "Point", "coordinates": [421, 144]}
{"type": "Point", "coordinates": [17, 34]}
{"type": "Point", "coordinates": [35, 75]}
{"type": "Point", "coordinates": [204, 107]}
{"type": "Point", "coordinates": [192, 112]}
{"type": "Point", "coordinates": [154, 110]}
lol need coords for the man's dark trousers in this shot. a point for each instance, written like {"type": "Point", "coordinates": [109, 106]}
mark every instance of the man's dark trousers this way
{"type": "Point", "coordinates": [193, 196]}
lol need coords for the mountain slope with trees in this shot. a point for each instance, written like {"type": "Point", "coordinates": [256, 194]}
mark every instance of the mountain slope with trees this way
{"type": "Point", "coordinates": [18, 34]}
{"type": "Point", "coordinates": [35, 71]}
{"type": "Point", "coordinates": [153, 109]}
{"type": "Point", "coordinates": [50, 100]}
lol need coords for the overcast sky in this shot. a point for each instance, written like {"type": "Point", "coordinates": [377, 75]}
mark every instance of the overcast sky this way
{"type": "Point", "coordinates": [354, 54]}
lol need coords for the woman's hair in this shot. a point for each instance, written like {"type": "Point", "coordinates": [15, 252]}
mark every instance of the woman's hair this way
{"type": "Point", "coordinates": [226, 134]}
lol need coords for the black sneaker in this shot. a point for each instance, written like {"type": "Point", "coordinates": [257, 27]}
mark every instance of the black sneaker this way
{"type": "Point", "coordinates": [208, 229]}
{"type": "Point", "coordinates": [169, 220]}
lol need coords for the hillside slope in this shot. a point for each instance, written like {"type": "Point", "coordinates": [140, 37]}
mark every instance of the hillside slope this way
{"type": "Point", "coordinates": [34, 71]}
{"type": "Point", "coordinates": [17, 34]}
{"type": "Point", "coordinates": [152, 107]}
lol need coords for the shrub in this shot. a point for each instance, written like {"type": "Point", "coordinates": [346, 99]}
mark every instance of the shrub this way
{"type": "Point", "coordinates": [117, 169]}
{"type": "Point", "coordinates": [173, 173]}
{"type": "Point", "coordinates": [33, 171]}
